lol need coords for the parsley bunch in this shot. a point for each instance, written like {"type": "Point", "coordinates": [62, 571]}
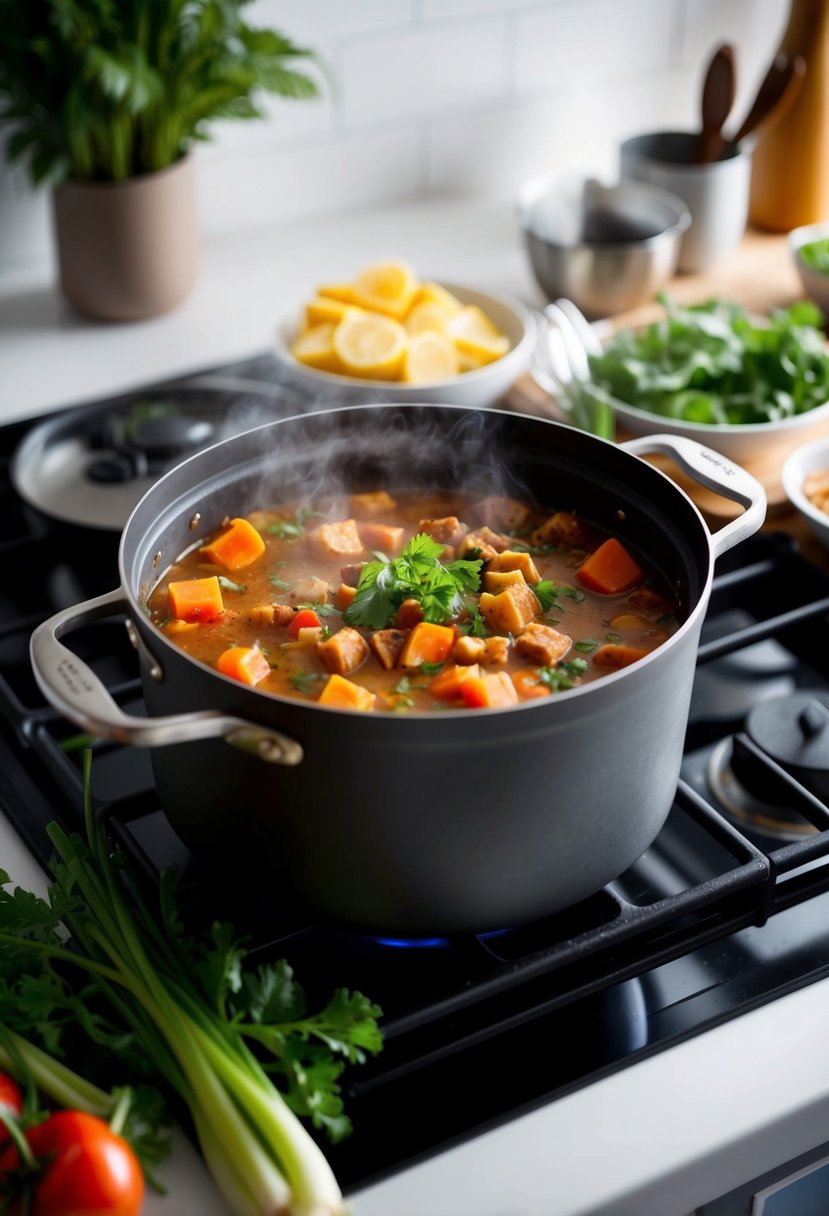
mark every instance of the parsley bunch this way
{"type": "Point", "coordinates": [415, 575]}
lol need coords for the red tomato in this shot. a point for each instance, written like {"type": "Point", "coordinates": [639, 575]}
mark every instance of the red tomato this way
{"type": "Point", "coordinates": [304, 619]}
{"type": "Point", "coordinates": [11, 1099]}
{"type": "Point", "coordinates": [88, 1170]}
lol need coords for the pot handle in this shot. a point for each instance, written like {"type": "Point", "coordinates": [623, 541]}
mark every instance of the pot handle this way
{"type": "Point", "coordinates": [77, 693]}
{"type": "Point", "coordinates": [712, 470]}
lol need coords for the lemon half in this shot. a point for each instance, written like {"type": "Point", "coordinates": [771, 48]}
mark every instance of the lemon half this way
{"type": "Point", "coordinates": [370, 346]}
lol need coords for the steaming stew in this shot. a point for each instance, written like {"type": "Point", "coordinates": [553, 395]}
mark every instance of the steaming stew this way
{"type": "Point", "coordinates": [417, 601]}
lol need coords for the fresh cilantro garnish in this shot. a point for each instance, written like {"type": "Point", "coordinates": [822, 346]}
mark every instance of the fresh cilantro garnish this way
{"type": "Point", "coordinates": [547, 593]}
{"type": "Point", "coordinates": [320, 609]}
{"type": "Point", "coordinates": [587, 646]}
{"type": "Point", "coordinates": [476, 625]}
{"type": "Point", "coordinates": [613, 637]}
{"type": "Point", "coordinates": [293, 529]}
{"type": "Point", "coordinates": [563, 676]}
{"type": "Point", "coordinates": [416, 574]}
{"type": "Point", "coordinates": [534, 550]}
{"type": "Point", "coordinates": [279, 583]}
{"type": "Point", "coordinates": [228, 585]}
{"type": "Point", "coordinates": [303, 681]}
{"type": "Point", "coordinates": [429, 669]}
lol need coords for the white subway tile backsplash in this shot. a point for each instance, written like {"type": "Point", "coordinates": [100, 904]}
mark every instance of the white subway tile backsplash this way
{"type": "Point", "coordinates": [314, 21]}
{"type": "Point", "coordinates": [424, 72]}
{"type": "Point", "coordinates": [591, 40]}
{"type": "Point", "coordinates": [359, 169]}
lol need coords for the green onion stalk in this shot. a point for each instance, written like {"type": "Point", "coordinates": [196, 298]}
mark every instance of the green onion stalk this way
{"type": "Point", "coordinates": [261, 1157]}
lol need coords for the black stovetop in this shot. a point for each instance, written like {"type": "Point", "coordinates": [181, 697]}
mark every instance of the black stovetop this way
{"type": "Point", "coordinates": [711, 921]}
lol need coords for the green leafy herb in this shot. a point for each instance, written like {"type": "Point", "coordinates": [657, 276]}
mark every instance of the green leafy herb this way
{"type": "Point", "coordinates": [287, 529]}
{"type": "Point", "coordinates": [587, 646]}
{"type": "Point", "coordinates": [279, 583]}
{"type": "Point", "coordinates": [475, 625]}
{"type": "Point", "coordinates": [237, 1043]}
{"type": "Point", "coordinates": [816, 255]}
{"type": "Point", "coordinates": [711, 363]}
{"type": "Point", "coordinates": [415, 574]}
{"type": "Point", "coordinates": [229, 585]}
{"type": "Point", "coordinates": [613, 637]}
{"type": "Point", "coordinates": [304, 681]}
{"type": "Point", "coordinates": [320, 609]}
{"type": "Point", "coordinates": [429, 669]}
{"type": "Point", "coordinates": [564, 675]}
{"type": "Point", "coordinates": [547, 593]}
{"type": "Point", "coordinates": [99, 91]}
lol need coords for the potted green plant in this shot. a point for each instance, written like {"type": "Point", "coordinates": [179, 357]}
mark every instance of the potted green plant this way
{"type": "Point", "coordinates": [104, 99]}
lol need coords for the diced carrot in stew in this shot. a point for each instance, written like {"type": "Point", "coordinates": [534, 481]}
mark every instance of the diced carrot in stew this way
{"type": "Point", "coordinates": [236, 548]}
{"type": "Point", "coordinates": [244, 663]}
{"type": "Point", "coordinates": [618, 656]}
{"type": "Point", "coordinates": [343, 596]}
{"type": "Point", "coordinates": [385, 537]}
{"type": "Point", "coordinates": [610, 569]}
{"type": "Point", "coordinates": [340, 693]}
{"type": "Point", "coordinates": [528, 685]}
{"type": "Point", "coordinates": [446, 686]}
{"type": "Point", "coordinates": [195, 599]}
{"type": "Point", "coordinates": [492, 691]}
{"type": "Point", "coordinates": [306, 618]}
{"type": "Point", "coordinates": [427, 643]}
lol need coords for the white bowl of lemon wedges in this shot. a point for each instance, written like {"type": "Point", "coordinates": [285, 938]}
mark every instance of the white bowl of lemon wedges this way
{"type": "Point", "coordinates": [389, 336]}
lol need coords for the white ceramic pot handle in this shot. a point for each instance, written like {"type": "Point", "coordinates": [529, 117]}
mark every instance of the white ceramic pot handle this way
{"type": "Point", "coordinates": [712, 470]}
{"type": "Point", "coordinates": [76, 692]}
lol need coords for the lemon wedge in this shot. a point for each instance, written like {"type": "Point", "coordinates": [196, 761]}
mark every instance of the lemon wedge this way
{"type": "Point", "coordinates": [323, 308]}
{"type": "Point", "coordinates": [432, 293]}
{"type": "Point", "coordinates": [315, 347]}
{"type": "Point", "coordinates": [476, 335]}
{"type": "Point", "coordinates": [370, 345]}
{"type": "Point", "coordinates": [428, 315]}
{"type": "Point", "coordinates": [429, 356]}
{"type": "Point", "coordinates": [386, 287]}
{"type": "Point", "coordinates": [337, 291]}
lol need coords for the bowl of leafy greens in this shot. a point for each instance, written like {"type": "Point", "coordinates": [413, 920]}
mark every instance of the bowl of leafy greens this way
{"type": "Point", "coordinates": [738, 383]}
{"type": "Point", "coordinates": [809, 247]}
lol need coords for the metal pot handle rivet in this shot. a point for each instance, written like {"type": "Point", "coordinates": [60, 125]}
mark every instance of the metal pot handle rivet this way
{"type": "Point", "coordinates": [77, 693]}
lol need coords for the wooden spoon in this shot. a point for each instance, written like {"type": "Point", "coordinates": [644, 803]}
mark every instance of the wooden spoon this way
{"type": "Point", "coordinates": [718, 93]}
{"type": "Point", "coordinates": [780, 87]}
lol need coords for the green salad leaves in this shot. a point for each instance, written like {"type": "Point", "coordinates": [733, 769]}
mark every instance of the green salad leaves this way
{"type": "Point", "coordinates": [418, 575]}
{"type": "Point", "coordinates": [816, 255]}
{"type": "Point", "coordinates": [713, 363]}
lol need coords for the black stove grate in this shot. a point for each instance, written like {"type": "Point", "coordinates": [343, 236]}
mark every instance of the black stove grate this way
{"type": "Point", "coordinates": [577, 994]}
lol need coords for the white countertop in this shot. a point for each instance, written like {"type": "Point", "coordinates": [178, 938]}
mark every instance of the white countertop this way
{"type": "Point", "coordinates": [50, 356]}
{"type": "Point", "coordinates": [657, 1138]}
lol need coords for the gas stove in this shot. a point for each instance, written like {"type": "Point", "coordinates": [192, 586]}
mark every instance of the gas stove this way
{"type": "Point", "coordinates": [725, 913]}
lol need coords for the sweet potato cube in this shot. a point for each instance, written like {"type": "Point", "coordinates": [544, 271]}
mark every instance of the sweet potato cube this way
{"type": "Point", "coordinates": [446, 685]}
{"type": "Point", "coordinates": [345, 651]}
{"type": "Point", "coordinates": [344, 596]}
{"type": "Point", "coordinates": [340, 693]}
{"type": "Point", "coordinates": [511, 610]}
{"type": "Point", "coordinates": [618, 656]}
{"type": "Point", "coordinates": [496, 581]}
{"type": "Point", "coordinates": [371, 506]}
{"type": "Point", "coordinates": [492, 691]}
{"type": "Point", "coordinates": [542, 644]}
{"type": "Point", "coordinates": [340, 539]}
{"type": "Point", "coordinates": [610, 569]}
{"type": "Point", "coordinates": [511, 559]}
{"type": "Point", "coordinates": [446, 531]}
{"type": "Point", "coordinates": [195, 599]}
{"type": "Point", "coordinates": [244, 663]}
{"type": "Point", "coordinates": [427, 643]}
{"type": "Point", "coordinates": [385, 537]}
{"type": "Point", "coordinates": [562, 528]}
{"type": "Point", "coordinates": [239, 546]}
{"type": "Point", "coordinates": [468, 649]}
{"type": "Point", "coordinates": [387, 645]}
{"type": "Point", "coordinates": [499, 511]}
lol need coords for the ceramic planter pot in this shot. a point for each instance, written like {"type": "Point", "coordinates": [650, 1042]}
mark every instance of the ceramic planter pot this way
{"type": "Point", "coordinates": [129, 250]}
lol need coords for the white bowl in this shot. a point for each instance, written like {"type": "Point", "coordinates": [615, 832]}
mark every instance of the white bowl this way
{"type": "Point", "coordinates": [815, 282]}
{"type": "Point", "coordinates": [798, 465]}
{"type": "Point", "coordinates": [481, 387]}
{"type": "Point", "coordinates": [739, 441]}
